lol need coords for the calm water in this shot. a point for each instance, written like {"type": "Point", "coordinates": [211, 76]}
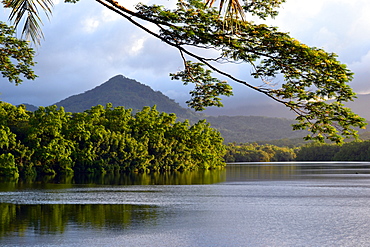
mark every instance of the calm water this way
{"type": "Point", "coordinates": [266, 204]}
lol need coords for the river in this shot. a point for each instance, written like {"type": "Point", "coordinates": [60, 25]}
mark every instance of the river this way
{"type": "Point", "coordinates": [249, 204]}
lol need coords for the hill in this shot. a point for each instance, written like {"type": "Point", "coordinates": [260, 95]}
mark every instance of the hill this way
{"type": "Point", "coordinates": [122, 91]}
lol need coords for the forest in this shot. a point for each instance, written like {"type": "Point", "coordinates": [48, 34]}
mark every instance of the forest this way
{"type": "Point", "coordinates": [103, 139]}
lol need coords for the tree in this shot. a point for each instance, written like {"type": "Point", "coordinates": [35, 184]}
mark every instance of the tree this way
{"type": "Point", "coordinates": [16, 58]}
{"type": "Point", "coordinates": [311, 75]}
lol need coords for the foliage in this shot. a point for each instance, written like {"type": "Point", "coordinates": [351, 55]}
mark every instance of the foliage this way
{"type": "Point", "coordinates": [207, 88]}
{"type": "Point", "coordinates": [258, 153]}
{"type": "Point", "coordinates": [29, 8]}
{"type": "Point", "coordinates": [311, 75]}
{"type": "Point", "coordinates": [103, 139]}
{"type": "Point", "coordinates": [16, 58]}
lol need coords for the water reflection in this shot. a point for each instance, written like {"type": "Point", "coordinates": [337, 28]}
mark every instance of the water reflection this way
{"type": "Point", "coordinates": [55, 218]}
{"type": "Point", "coordinates": [168, 178]}
{"type": "Point", "coordinates": [297, 170]}
{"type": "Point", "coordinates": [259, 171]}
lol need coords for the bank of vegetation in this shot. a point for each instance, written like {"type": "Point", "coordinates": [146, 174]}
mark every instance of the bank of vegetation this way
{"type": "Point", "coordinates": [103, 139]}
{"type": "Point", "coordinates": [254, 152]}
{"type": "Point", "coordinates": [351, 151]}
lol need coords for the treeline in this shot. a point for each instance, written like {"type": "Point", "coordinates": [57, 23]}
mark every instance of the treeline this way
{"type": "Point", "coordinates": [103, 139]}
{"type": "Point", "coordinates": [351, 151]}
{"type": "Point", "coordinates": [252, 152]}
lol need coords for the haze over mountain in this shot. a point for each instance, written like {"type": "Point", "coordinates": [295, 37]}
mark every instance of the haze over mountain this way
{"type": "Point", "coordinates": [361, 105]}
{"type": "Point", "coordinates": [273, 109]}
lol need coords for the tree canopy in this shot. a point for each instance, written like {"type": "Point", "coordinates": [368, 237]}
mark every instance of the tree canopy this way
{"type": "Point", "coordinates": [103, 139]}
{"type": "Point", "coordinates": [16, 58]}
{"type": "Point", "coordinates": [315, 84]}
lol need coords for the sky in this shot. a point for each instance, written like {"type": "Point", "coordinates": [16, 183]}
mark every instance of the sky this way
{"type": "Point", "coordinates": [86, 44]}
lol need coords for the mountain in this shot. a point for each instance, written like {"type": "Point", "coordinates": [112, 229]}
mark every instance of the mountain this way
{"type": "Point", "coordinates": [122, 91]}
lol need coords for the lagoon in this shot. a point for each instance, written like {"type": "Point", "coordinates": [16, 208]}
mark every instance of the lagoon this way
{"type": "Point", "coordinates": [246, 204]}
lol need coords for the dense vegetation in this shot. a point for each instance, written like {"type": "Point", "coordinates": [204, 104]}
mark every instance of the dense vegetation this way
{"type": "Point", "coordinates": [351, 151]}
{"type": "Point", "coordinates": [314, 151]}
{"type": "Point", "coordinates": [52, 141]}
{"type": "Point", "coordinates": [252, 152]}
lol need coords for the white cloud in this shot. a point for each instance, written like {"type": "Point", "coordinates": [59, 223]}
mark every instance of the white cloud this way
{"type": "Point", "coordinates": [137, 47]}
{"type": "Point", "coordinates": [90, 24]}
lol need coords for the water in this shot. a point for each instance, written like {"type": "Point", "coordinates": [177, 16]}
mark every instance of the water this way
{"type": "Point", "coordinates": [265, 204]}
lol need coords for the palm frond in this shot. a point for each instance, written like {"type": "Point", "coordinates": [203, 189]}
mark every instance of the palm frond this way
{"type": "Point", "coordinates": [29, 11]}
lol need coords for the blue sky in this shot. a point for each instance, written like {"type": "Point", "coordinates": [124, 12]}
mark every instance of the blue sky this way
{"type": "Point", "coordinates": [86, 44]}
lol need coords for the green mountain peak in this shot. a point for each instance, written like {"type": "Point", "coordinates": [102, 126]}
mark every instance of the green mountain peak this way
{"type": "Point", "coordinates": [122, 91]}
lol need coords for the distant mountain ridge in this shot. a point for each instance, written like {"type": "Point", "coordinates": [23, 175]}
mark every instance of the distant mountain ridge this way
{"type": "Point", "coordinates": [359, 106]}
{"type": "Point", "coordinates": [241, 129]}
